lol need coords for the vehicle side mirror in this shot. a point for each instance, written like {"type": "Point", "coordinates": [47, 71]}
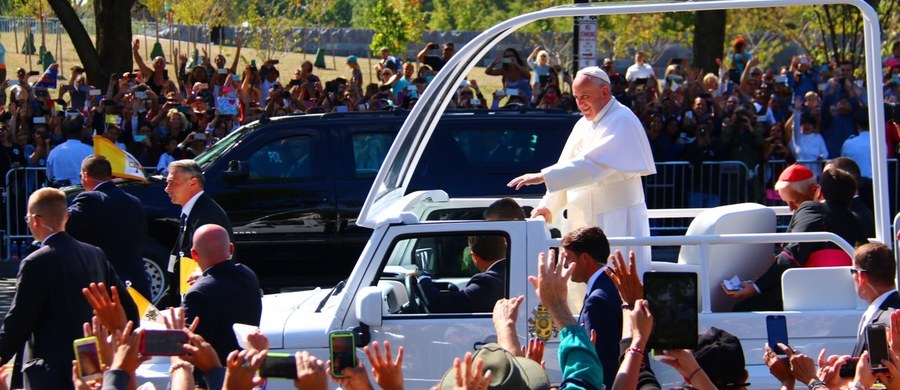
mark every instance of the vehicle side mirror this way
{"type": "Point", "coordinates": [369, 306]}
{"type": "Point", "coordinates": [236, 172]}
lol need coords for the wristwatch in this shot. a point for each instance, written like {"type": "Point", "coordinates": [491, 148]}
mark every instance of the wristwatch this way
{"type": "Point", "coordinates": [817, 384]}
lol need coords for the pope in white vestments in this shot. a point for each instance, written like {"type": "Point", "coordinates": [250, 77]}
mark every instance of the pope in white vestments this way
{"type": "Point", "coordinates": [598, 176]}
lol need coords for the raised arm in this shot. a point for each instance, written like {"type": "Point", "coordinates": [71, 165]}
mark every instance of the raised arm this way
{"type": "Point", "coordinates": [135, 49]}
{"type": "Point", "coordinates": [424, 52]}
{"type": "Point", "coordinates": [237, 55]}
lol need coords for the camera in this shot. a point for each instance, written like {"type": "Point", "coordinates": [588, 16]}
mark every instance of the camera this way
{"type": "Point", "coordinates": [433, 46]}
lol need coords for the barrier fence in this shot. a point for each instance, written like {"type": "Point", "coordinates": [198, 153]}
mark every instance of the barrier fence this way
{"type": "Point", "coordinates": [676, 185]}
{"type": "Point", "coordinates": [20, 183]}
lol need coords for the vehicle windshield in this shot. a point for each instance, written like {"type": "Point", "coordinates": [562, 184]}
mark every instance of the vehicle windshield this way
{"type": "Point", "coordinates": [224, 144]}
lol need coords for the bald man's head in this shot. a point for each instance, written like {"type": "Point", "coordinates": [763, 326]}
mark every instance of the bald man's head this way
{"type": "Point", "coordinates": [211, 246]}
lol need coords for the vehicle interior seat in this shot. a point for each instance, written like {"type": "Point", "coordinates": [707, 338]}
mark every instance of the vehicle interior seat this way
{"type": "Point", "coordinates": [803, 289]}
{"type": "Point", "coordinates": [747, 261]}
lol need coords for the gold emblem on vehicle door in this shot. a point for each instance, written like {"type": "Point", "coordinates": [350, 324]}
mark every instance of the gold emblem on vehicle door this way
{"type": "Point", "coordinates": [540, 323]}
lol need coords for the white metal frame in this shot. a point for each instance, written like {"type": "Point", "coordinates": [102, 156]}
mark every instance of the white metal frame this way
{"type": "Point", "coordinates": [422, 120]}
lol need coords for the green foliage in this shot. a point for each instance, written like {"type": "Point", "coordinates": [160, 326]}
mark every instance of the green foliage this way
{"type": "Point", "coordinates": [269, 24]}
{"type": "Point", "coordinates": [395, 23]}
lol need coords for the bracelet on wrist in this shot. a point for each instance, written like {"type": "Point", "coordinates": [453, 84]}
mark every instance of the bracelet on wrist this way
{"type": "Point", "coordinates": [817, 384]}
{"type": "Point", "coordinates": [688, 379]}
{"type": "Point", "coordinates": [856, 385]}
{"type": "Point", "coordinates": [627, 306]}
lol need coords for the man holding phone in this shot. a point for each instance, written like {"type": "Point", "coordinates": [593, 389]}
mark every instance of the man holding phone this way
{"type": "Point", "coordinates": [433, 61]}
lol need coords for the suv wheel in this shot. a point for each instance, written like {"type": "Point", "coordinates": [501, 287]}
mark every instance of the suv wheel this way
{"type": "Point", "coordinates": [157, 277]}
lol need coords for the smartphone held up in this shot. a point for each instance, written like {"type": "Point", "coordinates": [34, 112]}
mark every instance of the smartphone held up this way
{"type": "Point", "coordinates": [342, 352]}
{"type": "Point", "coordinates": [87, 355]}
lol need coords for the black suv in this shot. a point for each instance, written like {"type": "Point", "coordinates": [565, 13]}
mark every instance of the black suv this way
{"type": "Point", "coordinates": [293, 186]}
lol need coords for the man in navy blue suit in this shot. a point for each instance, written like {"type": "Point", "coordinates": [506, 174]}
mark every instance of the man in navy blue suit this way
{"type": "Point", "coordinates": [588, 249]}
{"type": "Point", "coordinates": [111, 219]}
{"type": "Point", "coordinates": [49, 309]}
{"type": "Point", "coordinates": [184, 185]}
{"type": "Point", "coordinates": [483, 289]}
{"type": "Point", "coordinates": [226, 294]}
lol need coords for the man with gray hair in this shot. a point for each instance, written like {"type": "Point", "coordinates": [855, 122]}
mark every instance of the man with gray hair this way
{"type": "Point", "coordinates": [598, 176]}
{"type": "Point", "coordinates": [184, 185]}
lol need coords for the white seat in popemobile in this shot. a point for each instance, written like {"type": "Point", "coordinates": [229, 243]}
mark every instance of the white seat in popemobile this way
{"type": "Point", "coordinates": [825, 288]}
{"type": "Point", "coordinates": [747, 261]}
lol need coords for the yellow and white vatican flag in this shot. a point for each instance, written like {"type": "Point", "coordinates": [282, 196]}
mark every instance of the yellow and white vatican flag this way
{"type": "Point", "coordinates": [123, 164]}
{"type": "Point", "coordinates": [146, 310]}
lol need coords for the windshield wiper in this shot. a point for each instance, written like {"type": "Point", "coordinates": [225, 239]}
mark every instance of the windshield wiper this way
{"type": "Point", "coordinates": [334, 291]}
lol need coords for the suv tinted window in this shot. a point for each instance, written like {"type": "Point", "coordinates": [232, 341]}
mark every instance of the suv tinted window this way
{"type": "Point", "coordinates": [287, 158]}
{"type": "Point", "coordinates": [369, 151]}
{"type": "Point", "coordinates": [501, 147]}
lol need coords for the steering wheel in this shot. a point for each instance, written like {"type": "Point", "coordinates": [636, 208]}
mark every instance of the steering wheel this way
{"type": "Point", "coordinates": [418, 302]}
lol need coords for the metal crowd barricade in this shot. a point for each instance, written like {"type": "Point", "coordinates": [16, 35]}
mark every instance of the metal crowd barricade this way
{"type": "Point", "coordinates": [680, 184]}
{"type": "Point", "coordinates": [20, 184]}
{"type": "Point", "coordinates": [667, 190]}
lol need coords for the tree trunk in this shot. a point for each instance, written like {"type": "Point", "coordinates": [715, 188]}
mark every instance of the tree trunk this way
{"type": "Point", "coordinates": [113, 50]}
{"type": "Point", "coordinates": [709, 39]}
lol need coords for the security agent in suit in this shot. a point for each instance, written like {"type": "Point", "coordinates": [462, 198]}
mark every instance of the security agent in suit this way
{"type": "Point", "coordinates": [184, 185]}
{"type": "Point", "coordinates": [49, 309]}
{"type": "Point", "coordinates": [832, 214]}
{"type": "Point", "coordinates": [588, 249]}
{"type": "Point", "coordinates": [111, 219]}
{"type": "Point", "coordinates": [483, 289]}
{"type": "Point", "coordinates": [227, 293]}
{"type": "Point", "coordinates": [873, 276]}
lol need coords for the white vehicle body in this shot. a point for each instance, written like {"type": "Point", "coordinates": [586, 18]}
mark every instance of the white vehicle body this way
{"type": "Point", "coordinates": [821, 307]}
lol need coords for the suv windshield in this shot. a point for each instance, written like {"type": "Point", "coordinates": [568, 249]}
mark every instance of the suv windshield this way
{"type": "Point", "coordinates": [224, 144]}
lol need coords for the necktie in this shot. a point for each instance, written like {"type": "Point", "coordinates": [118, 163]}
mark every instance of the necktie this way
{"type": "Point", "coordinates": [182, 228]}
{"type": "Point", "coordinates": [177, 252]}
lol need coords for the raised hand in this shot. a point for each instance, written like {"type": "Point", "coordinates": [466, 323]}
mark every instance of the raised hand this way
{"type": "Point", "coordinates": [625, 277]}
{"type": "Point", "coordinates": [469, 377]}
{"type": "Point", "coordinates": [106, 305]}
{"type": "Point", "coordinates": [388, 372]}
{"type": "Point", "coordinates": [241, 370]}
{"type": "Point", "coordinates": [310, 372]}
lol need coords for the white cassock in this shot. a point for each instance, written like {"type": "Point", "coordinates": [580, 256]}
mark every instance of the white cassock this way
{"type": "Point", "coordinates": [598, 178]}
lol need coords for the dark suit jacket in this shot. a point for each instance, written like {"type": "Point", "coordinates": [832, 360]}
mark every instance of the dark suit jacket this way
{"type": "Point", "coordinates": [48, 309]}
{"type": "Point", "coordinates": [113, 220]}
{"type": "Point", "coordinates": [881, 316]}
{"type": "Point", "coordinates": [811, 217]}
{"type": "Point", "coordinates": [864, 216]}
{"type": "Point", "coordinates": [602, 313]}
{"type": "Point", "coordinates": [479, 296]}
{"type": "Point", "coordinates": [226, 294]}
{"type": "Point", "coordinates": [205, 211]}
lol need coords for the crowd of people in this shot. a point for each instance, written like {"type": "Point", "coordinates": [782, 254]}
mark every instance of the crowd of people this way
{"type": "Point", "coordinates": [801, 111]}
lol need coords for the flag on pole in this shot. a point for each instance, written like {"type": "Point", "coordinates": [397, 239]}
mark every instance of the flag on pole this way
{"type": "Point", "coordinates": [123, 164]}
{"type": "Point", "coordinates": [49, 78]}
{"type": "Point", "coordinates": [146, 310]}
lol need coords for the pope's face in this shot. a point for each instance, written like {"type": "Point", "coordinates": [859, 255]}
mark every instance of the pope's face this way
{"type": "Point", "coordinates": [590, 96]}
